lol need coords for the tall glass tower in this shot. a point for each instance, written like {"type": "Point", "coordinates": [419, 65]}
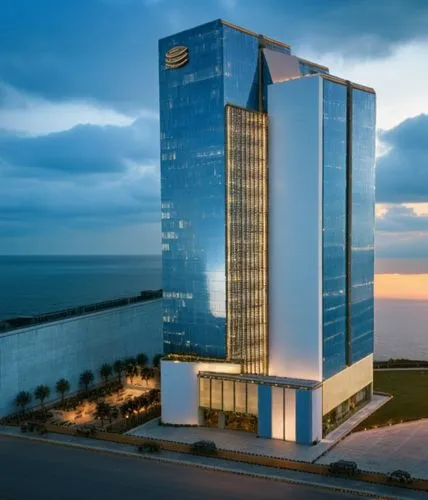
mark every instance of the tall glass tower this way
{"type": "Point", "coordinates": [267, 177]}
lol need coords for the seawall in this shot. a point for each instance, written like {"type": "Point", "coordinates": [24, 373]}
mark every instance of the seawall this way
{"type": "Point", "coordinates": [44, 353]}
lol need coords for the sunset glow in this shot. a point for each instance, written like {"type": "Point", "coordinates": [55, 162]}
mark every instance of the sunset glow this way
{"type": "Point", "coordinates": [401, 286]}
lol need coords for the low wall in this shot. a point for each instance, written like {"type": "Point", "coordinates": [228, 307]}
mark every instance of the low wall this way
{"type": "Point", "coordinates": [45, 353]}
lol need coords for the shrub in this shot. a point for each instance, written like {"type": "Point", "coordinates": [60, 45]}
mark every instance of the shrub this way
{"type": "Point", "coordinates": [204, 448]}
{"type": "Point", "coordinates": [42, 430]}
{"type": "Point", "coordinates": [149, 447]}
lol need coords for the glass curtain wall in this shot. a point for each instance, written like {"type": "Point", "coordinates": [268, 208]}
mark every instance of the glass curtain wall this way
{"type": "Point", "coordinates": [334, 227]}
{"type": "Point", "coordinates": [193, 194]}
{"type": "Point", "coordinates": [363, 206]}
{"type": "Point", "coordinates": [228, 395]}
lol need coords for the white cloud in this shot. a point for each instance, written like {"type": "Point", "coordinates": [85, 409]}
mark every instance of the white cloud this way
{"type": "Point", "coordinates": [420, 209]}
{"type": "Point", "coordinates": [400, 80]}
{"type": "Point", "coordinates": [31, 115]}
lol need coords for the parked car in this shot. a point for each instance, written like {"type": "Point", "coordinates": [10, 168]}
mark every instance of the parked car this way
{"type": "Point", "coordinates": [204, 448]}
{"type": "Point", "coordinates": [400, 476]}
{"type": "Point", "coordinates": [343, 467]}
{"type": "Point", "coordinates": [86, 431]}
{"type": "Point", "coordinates": [30, 426]}
{"type": "Point", "coordinates": [149, 447]}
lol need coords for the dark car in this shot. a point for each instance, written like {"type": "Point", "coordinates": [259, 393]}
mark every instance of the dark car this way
{"type": "Point", "coordinates": [343, 467]}
{"type": "Point", "coordinates": [400, 476]}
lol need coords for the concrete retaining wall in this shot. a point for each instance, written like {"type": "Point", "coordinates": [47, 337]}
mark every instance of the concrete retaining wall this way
{"type": "Point", "coordinates": [45, 353]}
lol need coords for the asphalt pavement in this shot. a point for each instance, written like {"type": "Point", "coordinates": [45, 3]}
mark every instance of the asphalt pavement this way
{"type": "Point", "coordinates": [31, 470]}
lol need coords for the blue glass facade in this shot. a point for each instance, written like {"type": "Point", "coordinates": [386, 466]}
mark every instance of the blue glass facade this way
{"type": "Point", "coordinates": [363, 199]}
{"type": "Point", "coordinates": [334, 227]}
{"type": "Point", "coordinates": [348, 302]}
{"type": "Point", "coordinates": [222, 69]}
{"type": "Point", "coordinates": [241, 85]}
{"type": "Point", "coordinates": [193, 194]}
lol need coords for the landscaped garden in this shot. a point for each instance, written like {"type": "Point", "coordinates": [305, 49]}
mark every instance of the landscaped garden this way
{"type": "Point", "coordinates": [128, 396]}
{"type": "Point", "coordinates": [408, 388]}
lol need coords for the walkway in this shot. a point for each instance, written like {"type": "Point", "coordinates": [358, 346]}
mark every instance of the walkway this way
{"type": "Point", "coordinates": [249, 443]}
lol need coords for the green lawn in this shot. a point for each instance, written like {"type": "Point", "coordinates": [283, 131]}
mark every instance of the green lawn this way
{"type": "Point", "coordinates": [410, 401]}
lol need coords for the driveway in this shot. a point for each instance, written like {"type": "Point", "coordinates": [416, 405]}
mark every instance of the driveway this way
{"type": "Point", "coordinates": [402, 446]}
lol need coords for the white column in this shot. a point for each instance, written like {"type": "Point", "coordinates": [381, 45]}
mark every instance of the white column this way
{"type": "Point", "coordinates": [278, 412]}
{"type": "Point", "coordinates": [295, 228]}
{"type": "Point", "coordinates": [290, 415]}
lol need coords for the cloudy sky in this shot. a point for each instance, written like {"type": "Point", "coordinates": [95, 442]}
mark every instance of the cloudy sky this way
{"type": "Point", "coordinates": [79, 166]}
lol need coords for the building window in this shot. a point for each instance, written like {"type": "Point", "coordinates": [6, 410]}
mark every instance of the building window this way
{"type": "Point", "coordinates": [252, 399]}
{"type": "Point", "coordinates": [240, 397]}
{"type": "Point", "coordinates": [216, 394]}
{"type": "Point", "coordinates": [228, 395]}
{"type": "Point", "coordinates": [345, 410]}
{"type": "Point", "coordinates": [205, 392]}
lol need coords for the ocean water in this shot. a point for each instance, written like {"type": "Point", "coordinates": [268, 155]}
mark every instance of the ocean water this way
{"type": "Point", "coordinates": [401, 329]}
{"type": "Point", "coordinates": [34, 285]}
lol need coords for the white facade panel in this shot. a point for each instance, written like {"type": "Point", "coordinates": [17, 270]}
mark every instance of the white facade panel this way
{"type": "Point", "coordinates": [295, 228]}
{"type": "Point", "coordinates": [180, 388]}
{"type": "Point", "coordinates": [277, 412]}
{"type": "Point", "coordinates": [346, 383]}
{"type": "Point", "coordinates": [290, 415]}
{"type": "Point", "coordinates": [317, 414]}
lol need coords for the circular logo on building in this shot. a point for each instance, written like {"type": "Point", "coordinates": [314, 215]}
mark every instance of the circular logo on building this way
{"type": "Point", "coordinates": [176, 57]}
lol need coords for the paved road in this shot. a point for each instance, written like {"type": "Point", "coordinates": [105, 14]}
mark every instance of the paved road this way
{"type": "Point", "coordinates": [31, 471]}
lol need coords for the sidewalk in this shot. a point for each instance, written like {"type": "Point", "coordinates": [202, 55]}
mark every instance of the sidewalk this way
{"type": "Point", "coordinates": [330, 483]}
{"type": "Point", "coordinates": [247, 442]}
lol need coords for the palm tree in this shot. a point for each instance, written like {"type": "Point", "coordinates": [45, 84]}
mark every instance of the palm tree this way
{"type": "Point", "coordinates": [130, 361]}
{"type": "Point", "coordinates": [41, 393]}
{"type": "Point", "coordinates": [142, 360]}
{"type": "Point", "coordinates": [146, 374]}
{"type": "Point", "coordinates": [131, 371]}
{"type": "Point", "coordinates": [23, 399]}
{"type": "Point", "coordinates": [62, 386]}
{"type": "Point", "coordinates": [86, 378]}
{"type": "Point", "coordinates": [105, 371]}
{"type": "Point", "coordinates": [118, 369]}
{"type": "Point", "coordinates": [156, 360]}
{"type": "Point", "coordinates": [104, 410]}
